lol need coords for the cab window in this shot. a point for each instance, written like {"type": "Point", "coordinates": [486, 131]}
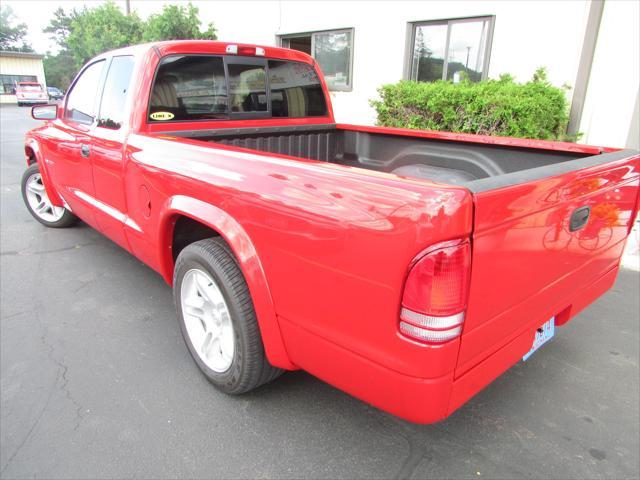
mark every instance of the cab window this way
{"type": "Point", "coordinates": [295, 90]}
{"type": "Point", "coordinates": [189, 88]}
{"type": "Point", "coordinates": [247, 87]}
{"type": "Point", "coordinates": [204, 87]}
{"type": "Point", "coordinates": [114, 96]}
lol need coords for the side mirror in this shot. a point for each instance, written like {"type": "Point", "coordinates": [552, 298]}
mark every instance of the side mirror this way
{"type": "Point", "coordinates": [44, 112]}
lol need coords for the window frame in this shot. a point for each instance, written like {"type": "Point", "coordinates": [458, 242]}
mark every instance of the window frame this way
{"type": "Point", "coordinates": [284, 37]}
{"type": "Point", "coordinates": [230, 116]}
{"type": "Point", "coordinates": [412, 28]}
{"type": "Point", "coordinates": [99, 91]}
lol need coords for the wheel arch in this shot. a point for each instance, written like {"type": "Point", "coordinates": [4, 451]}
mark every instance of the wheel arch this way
{"type": "Point", "coordinates": [33, 155]}
{"type": "Point", "coordinates": [222, 224]}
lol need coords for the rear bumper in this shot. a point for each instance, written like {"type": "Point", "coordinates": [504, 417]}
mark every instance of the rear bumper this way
{"type": "Point", "coordinates": [33, 101]}
{"type": "Point", "coordinates": [414, 399]}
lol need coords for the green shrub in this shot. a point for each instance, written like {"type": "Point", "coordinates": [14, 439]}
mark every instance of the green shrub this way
{"type": "Point", "coordinates": [535, 109]}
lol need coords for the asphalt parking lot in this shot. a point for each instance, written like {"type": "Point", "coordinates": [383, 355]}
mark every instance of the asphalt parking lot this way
{"type": "Point", "coordinates": [95, 381]}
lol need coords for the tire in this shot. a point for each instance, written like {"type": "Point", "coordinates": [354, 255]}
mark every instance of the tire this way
{"type": "Point", "coordinates": [206, 275]}
{"type": "Point", "coordinates": [34, 195]}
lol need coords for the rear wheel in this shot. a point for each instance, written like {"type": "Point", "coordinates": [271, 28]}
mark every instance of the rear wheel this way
{"type": "Point", "coordinates": [38, 203]}
{"type": "Point", "coordinates": [217, 318]}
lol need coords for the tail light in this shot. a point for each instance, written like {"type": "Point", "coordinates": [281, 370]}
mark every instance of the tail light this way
{"type": "Point", "coordinates": [435, 293]}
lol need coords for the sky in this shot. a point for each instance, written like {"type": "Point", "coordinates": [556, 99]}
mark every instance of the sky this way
{"type": "Point", "coordinates": [37, 14]}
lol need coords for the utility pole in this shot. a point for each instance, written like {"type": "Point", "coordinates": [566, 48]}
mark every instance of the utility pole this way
{"type": "Point", "coordinates": [127, 7]}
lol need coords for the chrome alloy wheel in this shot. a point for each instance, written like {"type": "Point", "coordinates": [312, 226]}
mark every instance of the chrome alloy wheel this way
{"type": "Point", "coordinates": [39, 200]}
{"type": "Point", "coordinates": [207, 320]}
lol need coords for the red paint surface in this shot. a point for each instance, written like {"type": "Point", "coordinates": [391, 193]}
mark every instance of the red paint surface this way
{"type": "Point", "coordinates": [326, 249]}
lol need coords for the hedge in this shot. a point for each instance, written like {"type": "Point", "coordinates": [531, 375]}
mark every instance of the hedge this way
{"type": "Point", "coordinates": [535, 109]}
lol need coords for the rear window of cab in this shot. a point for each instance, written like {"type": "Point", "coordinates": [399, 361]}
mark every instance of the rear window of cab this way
{"type": "Point", "coordinates": [204, 87]}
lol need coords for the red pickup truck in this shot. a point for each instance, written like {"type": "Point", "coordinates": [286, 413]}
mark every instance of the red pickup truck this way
{"type": "Point", "coordinates": [407, 268]}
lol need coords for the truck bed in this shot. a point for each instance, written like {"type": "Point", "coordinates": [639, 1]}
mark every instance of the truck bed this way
{"type": "Point", "coordinates": [473, 165]}
{"type": "Point", "coordinates": [529, 262]}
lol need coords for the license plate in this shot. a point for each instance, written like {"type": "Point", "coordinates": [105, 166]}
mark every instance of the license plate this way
{"type": "Point", "coordinates": [543, 335]}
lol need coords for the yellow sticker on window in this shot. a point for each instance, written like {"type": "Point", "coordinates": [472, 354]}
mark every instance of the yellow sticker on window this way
{"type": "Point", "coordinates": [161, 116]}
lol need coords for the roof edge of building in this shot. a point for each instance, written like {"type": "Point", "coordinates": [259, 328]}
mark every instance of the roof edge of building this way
{"type": "Point", "coordinates": [10, 53]}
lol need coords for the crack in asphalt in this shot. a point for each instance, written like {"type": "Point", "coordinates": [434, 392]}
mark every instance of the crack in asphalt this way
{"type": "Point", "coordinates": [64, 387]}
{"type": "Point", "coordinates": [418, 439]}
{"type": "Point", "coordinates": [86, 283]}
{"type": "Point", "coordinates": [403, 431]}
{"type": "Point", "coordinates": [25, 253]}
{"type": "Point", "coordinates": [62, 379]}
{"type": "Point", "coordinates": [33, 427]}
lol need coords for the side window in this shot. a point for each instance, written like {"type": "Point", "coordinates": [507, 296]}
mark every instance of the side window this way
{"type": "Point", "coordinates": [295, 90]}
{"type": "Point", "coordinates": [81, 101]}
{"type": "Point", "coordinates": [189, 88]}
{"type": "Point", "coordinates": [116, 87]}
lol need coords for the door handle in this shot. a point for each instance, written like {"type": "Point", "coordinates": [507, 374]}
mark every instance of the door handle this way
{"type": "Point", "coordinates": [579, 218]}
{"type": "Point", "coordinates": [85, 150]}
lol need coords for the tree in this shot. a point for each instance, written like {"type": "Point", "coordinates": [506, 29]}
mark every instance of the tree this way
{"type": "Point", "coordinates": [176, 22]}
{"type": "Point", "coordinates": [60, 27]}
{"type": "Point", "coordinates": [421, 49]}
{"type": "Point", "coordinates": [96, 30]}
{"type": "Point", "coordinates": [83, 34]}
{"type": "Point", "coordinates": [59, 69]}
{"type": "Point", "coordinates": [12, 37]}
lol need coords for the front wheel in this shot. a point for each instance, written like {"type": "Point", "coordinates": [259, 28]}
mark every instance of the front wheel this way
{"type": "Point", "coordinates": [38, 203]}
{"type": "Point", "coordinates": [217, 318]}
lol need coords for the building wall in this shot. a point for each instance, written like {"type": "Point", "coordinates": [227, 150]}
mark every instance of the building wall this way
{"type": "Point", "coordinates": [610, 115]}
{"type": "Point", "coordinates": [526, 36]}
{"type": "Point", "coordinates": [20, 66]}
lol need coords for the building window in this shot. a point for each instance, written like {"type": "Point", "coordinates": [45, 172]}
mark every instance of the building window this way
{"type": "Point", "coordinates": [8, 82]}
{"type": "Point", "coordinates": [449, 49]}
{"type": "Point", "coordinates": [332, 49]}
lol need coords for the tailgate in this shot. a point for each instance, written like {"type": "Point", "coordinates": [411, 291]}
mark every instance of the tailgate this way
{"type": "Point", "coordinates": [529, 261]}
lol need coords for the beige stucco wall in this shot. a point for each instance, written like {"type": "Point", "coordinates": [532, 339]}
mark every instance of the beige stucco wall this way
{"type": "Point", "coordinates": [20, 66]}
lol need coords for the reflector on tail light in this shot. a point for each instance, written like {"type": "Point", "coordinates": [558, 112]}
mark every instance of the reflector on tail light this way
{"type": "Point", "coordinates": [435, 293]}
{"type": "Point", "coordinates": [430, 336]}
{"type": "Point", "coordinates": [433, 323]}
